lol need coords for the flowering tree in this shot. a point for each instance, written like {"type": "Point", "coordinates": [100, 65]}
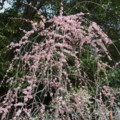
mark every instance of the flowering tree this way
{"type": "Point", "coordinates": [48, 63]}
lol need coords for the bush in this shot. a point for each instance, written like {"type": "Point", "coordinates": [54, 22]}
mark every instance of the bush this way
{"type": "Point", "coordinates": [50, 74]}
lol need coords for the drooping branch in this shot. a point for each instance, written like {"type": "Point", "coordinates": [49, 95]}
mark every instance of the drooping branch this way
{"type": "Point", "coordinates": [28, 12]}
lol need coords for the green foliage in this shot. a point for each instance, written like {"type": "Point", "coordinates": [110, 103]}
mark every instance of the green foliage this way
{"type": "Point", "coordinates": [114, 77]}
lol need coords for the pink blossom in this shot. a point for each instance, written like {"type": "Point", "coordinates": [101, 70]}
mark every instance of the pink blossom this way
{"type": "Point", "coordinates": [18, 112]}
{"type": "Point", "coordinates": [29, 88]}
{"type": "Point", "coordinates": [26, 99]}
{"type": "Point", "coordinates": [18, 104]}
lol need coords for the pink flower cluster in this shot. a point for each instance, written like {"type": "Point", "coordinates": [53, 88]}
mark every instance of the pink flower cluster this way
{"type": "Point", "coordinates": [47, 63]}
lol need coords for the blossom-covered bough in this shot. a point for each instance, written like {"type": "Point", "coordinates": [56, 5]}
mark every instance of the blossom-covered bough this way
{"type": "Point", "coordinates": [48, 62]}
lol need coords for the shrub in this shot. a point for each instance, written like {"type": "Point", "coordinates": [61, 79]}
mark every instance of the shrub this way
{"type": "Point", "coordinates": [48, 77]}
